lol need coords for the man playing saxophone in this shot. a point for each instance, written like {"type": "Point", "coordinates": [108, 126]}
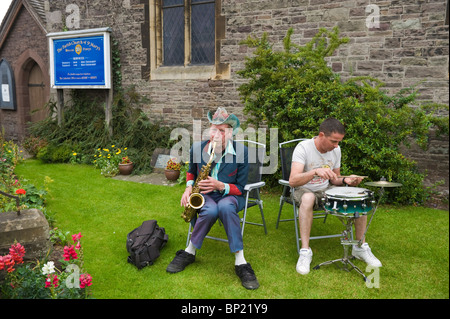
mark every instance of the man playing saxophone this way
{"type": "Point", "coordinates": [223, 191]}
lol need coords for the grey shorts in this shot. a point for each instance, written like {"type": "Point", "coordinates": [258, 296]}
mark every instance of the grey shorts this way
{"type": "Point", "coordinates": [299, 191]}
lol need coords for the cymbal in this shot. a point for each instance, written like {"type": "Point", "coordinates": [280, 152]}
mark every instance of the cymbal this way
{"type": "Point", "coordinates": [383, 184]}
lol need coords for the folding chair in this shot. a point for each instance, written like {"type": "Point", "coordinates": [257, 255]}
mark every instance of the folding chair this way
{"type": "Point", "coordinates": [256, 153]}
{"type": "Point", "coordinates": [288, 191]}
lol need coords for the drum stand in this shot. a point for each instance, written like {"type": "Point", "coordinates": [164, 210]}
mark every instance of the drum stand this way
{"type": "Point", "coordinates": [348, 221]}
{"type": "Point", "coordinates": [347, 241]}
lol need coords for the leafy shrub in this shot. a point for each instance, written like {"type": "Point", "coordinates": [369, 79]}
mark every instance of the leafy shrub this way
{"type": "Point", "coordinates": [297, 84]}
{"type": "Point", "coordinates": [33, 145]}
{"type": "Point", "coordinates": [83, 129]}
{"type": "Point", "coordinates": [55, 153]}
{"type": "Point", "coordinates": [9, 158]}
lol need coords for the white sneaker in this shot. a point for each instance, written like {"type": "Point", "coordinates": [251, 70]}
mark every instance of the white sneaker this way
{"type": "Point", "coordinates": [365, 254]}
{"type": "Point", "coordinates": [304, 261]}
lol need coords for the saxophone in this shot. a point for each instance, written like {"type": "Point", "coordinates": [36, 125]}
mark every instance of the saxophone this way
{"type": "Point", "coordinates": [196, 200]}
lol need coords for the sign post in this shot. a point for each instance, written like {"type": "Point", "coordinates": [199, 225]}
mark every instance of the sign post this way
{"type": "Point", "coordinates": [81, 60]}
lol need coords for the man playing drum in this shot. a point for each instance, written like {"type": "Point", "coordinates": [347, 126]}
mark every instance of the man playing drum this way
{"type": "Point", "coordinates": [315, 168]}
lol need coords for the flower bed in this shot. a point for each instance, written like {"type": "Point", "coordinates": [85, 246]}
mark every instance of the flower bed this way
{"type": "Point", "coordinates": [43, 279]}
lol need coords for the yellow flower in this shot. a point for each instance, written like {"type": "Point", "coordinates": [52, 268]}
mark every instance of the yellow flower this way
{"type": "Point", "coordinates": [74, 154]}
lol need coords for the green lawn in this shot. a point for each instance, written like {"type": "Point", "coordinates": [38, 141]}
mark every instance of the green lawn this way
{"type": "Point", "coordinates": [411, 242]}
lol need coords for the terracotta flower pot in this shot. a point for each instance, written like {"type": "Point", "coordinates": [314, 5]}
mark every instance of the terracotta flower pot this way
{"type": "Point", "coordinates": [171, 174]}
{"type": "Point", "coordinates": [125, 169]}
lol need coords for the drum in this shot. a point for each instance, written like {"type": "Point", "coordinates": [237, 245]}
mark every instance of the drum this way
{"type": "Point", "coordinates": [348, 200]}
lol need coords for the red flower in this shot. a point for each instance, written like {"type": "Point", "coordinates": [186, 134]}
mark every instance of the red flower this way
{"type": "Point", "coordinates": [69, 253]}
{"type": "Point", "coordinates": [85, 280]}
{"type": "Point", "coordinates": [21, 191]}
{"type": "Point", "coordinates": [7, 262]}
{"type": "Point", "coordinates": [76, 237]}
{"type": "Point", "coordinates": [52, 280]}
{"type": "Point", "coordinates": [17, 253]}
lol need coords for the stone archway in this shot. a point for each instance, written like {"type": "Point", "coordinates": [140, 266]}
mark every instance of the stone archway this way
{"type": "Point", "coordinates": [32, 89]}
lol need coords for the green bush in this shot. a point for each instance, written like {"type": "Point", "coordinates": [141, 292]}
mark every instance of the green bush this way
{"type": "Point", "coordinates": [33, 145]}
{"type": "Point", "coordinates": [298, 85]}
{"type": "Point", "coordinates": [55, 153]}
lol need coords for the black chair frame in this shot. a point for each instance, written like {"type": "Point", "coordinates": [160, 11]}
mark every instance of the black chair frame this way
{"type": "Point", "coordinates": [288, 191]}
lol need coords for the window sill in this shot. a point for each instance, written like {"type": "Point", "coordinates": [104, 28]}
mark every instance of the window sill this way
{"type": "Point", "coordinates": [203, 72]}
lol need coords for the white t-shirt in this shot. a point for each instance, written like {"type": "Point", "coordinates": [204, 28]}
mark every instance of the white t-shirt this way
{"type": "Point", "coordinates": [307, 154]}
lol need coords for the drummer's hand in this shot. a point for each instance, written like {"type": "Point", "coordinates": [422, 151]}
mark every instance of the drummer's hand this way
{"type": "Point", "coordinates": [185, 197]}
{"type": "Point", "coordinates": [325, 173]}
{"type": "Point", "coordinates": [353, 181]}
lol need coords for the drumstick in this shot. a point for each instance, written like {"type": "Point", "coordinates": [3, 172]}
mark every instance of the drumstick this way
{"type": "Point", "coordinates": [356, 176]}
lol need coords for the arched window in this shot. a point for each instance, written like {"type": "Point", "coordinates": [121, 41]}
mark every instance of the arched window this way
{"type": "Point", "coordinates": [8, 87]}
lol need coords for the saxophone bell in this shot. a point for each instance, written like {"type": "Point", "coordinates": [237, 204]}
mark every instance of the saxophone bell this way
{"type": "Point", "coordinates": [196, 200]}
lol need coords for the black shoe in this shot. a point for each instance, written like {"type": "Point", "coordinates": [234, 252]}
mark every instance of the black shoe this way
{"type": "Point", "coordinates": [180, 261]}
{"type": "Point", "coordinates": [247, 276]}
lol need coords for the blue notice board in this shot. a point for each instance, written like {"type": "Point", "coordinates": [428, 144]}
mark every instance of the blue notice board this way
{"type": "Point", "coordinates": [80, 59]}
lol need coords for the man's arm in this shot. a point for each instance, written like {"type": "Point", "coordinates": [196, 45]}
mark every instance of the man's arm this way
{"type": "Point", "coordinates": [299, 178]}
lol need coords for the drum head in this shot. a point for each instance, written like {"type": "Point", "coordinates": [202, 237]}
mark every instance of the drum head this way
{"type": "Point", "coordinates": [347, 192]}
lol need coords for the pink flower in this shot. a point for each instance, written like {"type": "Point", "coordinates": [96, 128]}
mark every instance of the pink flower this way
{"type": "Point", "coordinates": [69, 253]}
{"type": "Point", "coordinates": [85, 280]}
{"type": "Point", "coordinates": [76, 237]}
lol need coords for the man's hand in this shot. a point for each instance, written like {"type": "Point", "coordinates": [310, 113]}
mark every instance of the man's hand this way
{"type": "Point", "coordinates": [325, 173]}
{"type": "Point", "coordinates": [353, 181]}
{"type": "Point", "coordinates": [185, 197]}
{"type": "Point", "coordinates": [210, 184]}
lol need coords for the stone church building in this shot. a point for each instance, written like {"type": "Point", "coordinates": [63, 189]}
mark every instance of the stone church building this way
{"type": "Point", "coordinates": [183, 54]}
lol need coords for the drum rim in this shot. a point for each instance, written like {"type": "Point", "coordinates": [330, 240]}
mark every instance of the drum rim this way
{"type": "Point", "coordinates": [367, 193]}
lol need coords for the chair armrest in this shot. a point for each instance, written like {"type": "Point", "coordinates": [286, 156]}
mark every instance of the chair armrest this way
{"type": "Point", "coordinates": [284, 182]}
{"type": "Point", "coordinates": [249, 187]}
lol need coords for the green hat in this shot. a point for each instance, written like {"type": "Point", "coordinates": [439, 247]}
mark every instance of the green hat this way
{"type": "Point", "coordinates": [222, 117]}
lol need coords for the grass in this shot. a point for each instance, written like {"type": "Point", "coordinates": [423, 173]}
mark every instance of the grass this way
{"type": "Point", "coordinates": [411, 242]}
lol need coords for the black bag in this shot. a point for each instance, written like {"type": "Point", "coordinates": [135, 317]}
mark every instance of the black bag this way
{"type": "Point", "coordinates": [145, 242]}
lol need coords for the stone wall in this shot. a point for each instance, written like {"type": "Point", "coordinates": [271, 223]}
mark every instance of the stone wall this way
{"type": "Point", "coordinates": [25, 38]}
{"type": "Point", "coordinates": [406, 45]}
{"type": "Point", "coordinates": [29, 228]}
